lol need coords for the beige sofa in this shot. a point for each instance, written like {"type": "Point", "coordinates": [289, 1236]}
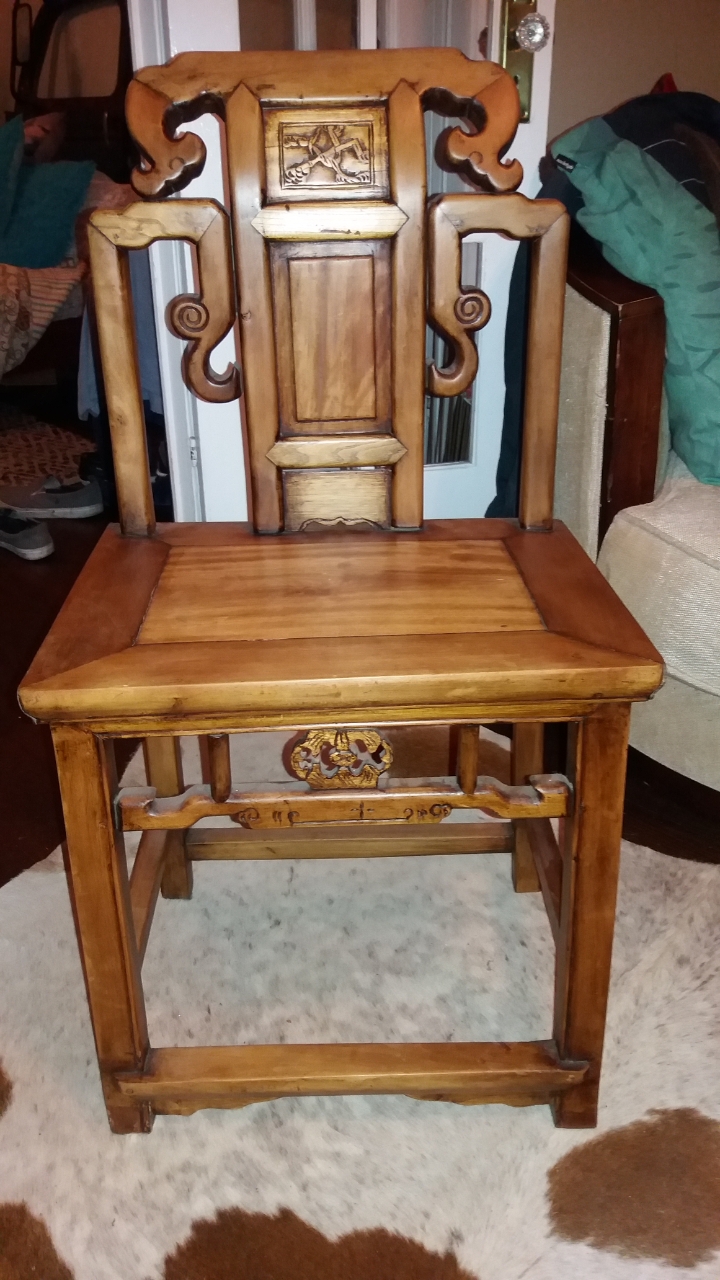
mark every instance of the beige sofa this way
{"type": "Point", "coordinates": [662, 552]}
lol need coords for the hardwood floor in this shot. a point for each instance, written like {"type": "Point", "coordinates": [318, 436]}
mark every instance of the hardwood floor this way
{"type": "Point", "coordinates": [31, 595]}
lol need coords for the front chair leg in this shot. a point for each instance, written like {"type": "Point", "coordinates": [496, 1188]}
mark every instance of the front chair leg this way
{"type": "Point", "coordinates": [163, 765]}
{"type": "Point", "coordinates": [97, 874]}
{"type": "Point", "coordinates": [526, 759]}
{"type": "Point", "coordinates": [591, 861]}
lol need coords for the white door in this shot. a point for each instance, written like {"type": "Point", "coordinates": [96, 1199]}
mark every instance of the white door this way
{"type": "Point", "coordinates": [205, 442]}
{"type": "Point", "coordinates": [465, 489]}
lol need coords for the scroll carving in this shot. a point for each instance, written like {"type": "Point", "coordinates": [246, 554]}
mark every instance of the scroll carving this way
{"type": "Point", "coordinates": [202, 319]}
{"type": "Point", "coordinates": [141, 809]}
{"type": "Point", "coordinates": [453, 312]}
{"type": "Point", "coordinates": [330, 759]}
{"type": "Point", "coordinates": [160, 99]}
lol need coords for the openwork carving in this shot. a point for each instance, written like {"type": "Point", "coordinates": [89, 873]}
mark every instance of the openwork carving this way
{"type": "Point", "coordinates": [330, 759]}
{"type": "Point", "coordinates": [161, 99]}
{"type": "Point", "coordinates": [205, 318]}
{"type": "Point", "coordinates": [453, 312]}
{"type": "Point", "coordinates": [326, 154]}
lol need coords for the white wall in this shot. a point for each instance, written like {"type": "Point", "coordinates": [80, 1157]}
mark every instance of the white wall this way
{"type": "Point", "coordinates": [607, 51]}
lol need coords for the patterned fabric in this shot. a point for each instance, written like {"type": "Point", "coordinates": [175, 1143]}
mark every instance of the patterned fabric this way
{"type": "Point", "coordinates": [29, 300]}
{"type": "Point", "coordinates": [30, 449]}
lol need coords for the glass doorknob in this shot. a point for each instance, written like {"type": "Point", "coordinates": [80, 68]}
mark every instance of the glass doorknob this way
{"type": "Point", "coordinates": [532, 33]}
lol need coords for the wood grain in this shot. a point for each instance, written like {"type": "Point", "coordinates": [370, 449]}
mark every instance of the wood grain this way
{"type": "Point", "coordinates": [246, 164]}
{"type": "Point", "coordinates": [408, 190]}
{"type": "Point", "coordinates": [163, 766]}
{"type": "Point", "coordinates": [591, 861]}
{"type": "Point", "coordinates": [445, 81]}
{"type": "Point", "coordinates": [526, 759]}
{"type": "Point", "coordinates": [330, 497]}
{"type": "Point", "coordinates": [548, 862]}
{"type": "Point", "coordinates": [332, 343]}
{"type": "Point", "coordinates": [372, 589]}
{"type": "Point", "coordinates": [336, 451]}
{"type": "Point", "coordinates": [139, 809]}
{"type": "Point", "coordinates": [218, 746]}
{"type": "Point", "coordinates": [251, 1072]}
{"type": "Point", "coordinates": [101, 901]}
{"type": "Point", "coordinates": [371, 840]}
{"type": "Point", "coordinates": [548, 269]}
{"type": "Point", "coordinates": [116, 335]}
{"type": "Point", "coordinates": [145, 880]}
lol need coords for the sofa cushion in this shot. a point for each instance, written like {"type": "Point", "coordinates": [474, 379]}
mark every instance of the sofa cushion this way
{"type": "Point", "coordinates": [663, 559]}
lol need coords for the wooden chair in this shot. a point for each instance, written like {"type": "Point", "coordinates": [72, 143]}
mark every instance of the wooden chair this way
{"type": "Point", "coordinates": [357, 618]}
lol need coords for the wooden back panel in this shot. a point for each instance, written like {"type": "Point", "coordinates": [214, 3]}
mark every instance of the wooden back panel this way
{"type": "Point", "coordinates": [328, 234]}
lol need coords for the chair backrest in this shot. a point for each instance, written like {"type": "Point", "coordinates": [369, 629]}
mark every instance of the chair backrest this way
{"type": "Point", "coordinates": [337, 260]}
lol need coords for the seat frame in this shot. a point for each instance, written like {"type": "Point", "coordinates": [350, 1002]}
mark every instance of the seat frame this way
{"type": "Point", "coordinates": [95, 680]}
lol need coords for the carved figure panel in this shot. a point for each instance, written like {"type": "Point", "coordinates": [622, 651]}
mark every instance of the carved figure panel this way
{"type": "Point", "coordinates": [326, 153]}
{"type": "Point", "coordinates": [330, 759]}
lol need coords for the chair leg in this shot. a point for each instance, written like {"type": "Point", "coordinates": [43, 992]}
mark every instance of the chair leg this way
{"type": "Point", "coordinates": [526, 759]}
{"type": "Point", "coordinates": [591, 860]}
{"type": "Point", "coordinates": [97, 873]}
{"type": "Point", "coordinates": [163, 764]}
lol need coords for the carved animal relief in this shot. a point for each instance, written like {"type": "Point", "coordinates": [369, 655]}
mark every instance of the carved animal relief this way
{"type": "Point", "coordinates": [326, 155]}
{"type": "Point", "coordinates": [329, 759]}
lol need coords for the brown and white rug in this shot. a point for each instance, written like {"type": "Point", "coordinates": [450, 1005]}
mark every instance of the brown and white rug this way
{"type": "Point", "coordinates": [366, 1188]}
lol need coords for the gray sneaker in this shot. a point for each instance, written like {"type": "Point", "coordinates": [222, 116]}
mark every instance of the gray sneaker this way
{"type": "Point", "coordinates": [25, 538]}
{"type": "Point", "coordinates": [51, 500]}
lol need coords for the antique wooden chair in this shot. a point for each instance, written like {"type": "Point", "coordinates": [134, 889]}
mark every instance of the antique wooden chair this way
{"type": "Point", "coordinates": [356, 618]}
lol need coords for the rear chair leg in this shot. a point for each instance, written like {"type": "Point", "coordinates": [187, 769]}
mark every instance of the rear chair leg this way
{"type": "Point", "coordinates": [526, 759]}
{"type": "Point", "coordinates": [97, 875]}
{"type": "Point", "coordinates": [591, 861]}
{"type": "Point", "coordinates": [163, 764]}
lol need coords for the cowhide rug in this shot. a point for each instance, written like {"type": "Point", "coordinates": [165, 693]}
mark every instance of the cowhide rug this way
{"type": "Point", "coordinates": [362, 1188]}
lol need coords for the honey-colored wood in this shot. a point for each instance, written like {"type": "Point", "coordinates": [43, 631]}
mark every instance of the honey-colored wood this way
{"type": "Point", "coordinates": [163, 766]}
{"type": "Point", "coordinates": [204, 318]}
{"type": "Point", "coordinates": [333, 348]}
{"type": "Point", "coordinates": [116, 336]}
{"type": "Point", "coordinates": [246, 165]}
{"type": "Point", "coordinates": [319, 333]}
{"type": "Point", "coordinates": [366, 221]}
{"type": "Point", "coordinates": [370, 840]}
{"type": "Point", "coordinates": [542, 375]}
{"type": "Point", "coordinates": [228, 1076]}
{"type": "Point", "coordinates": [408, 190]}
{"type": "Point", "coordinates": [398, 587]}
{"type": "Point", "coordinates": [455, 312]}
{"type": "Point", "coordinates": [354, 635]}
{"type": "Point", "coordinates": [140, 809]}
{"type": "Point", "coordinates": [548, 862]}
{"type": "Point", "coordinates": [468, 757]}
{"type": "Point", "coordinates": [327, 154]}
{"type": "Point", "coordinates": [445, 81]}
{"type": "Point", "coordinates": [337, 451]}
{"type": "Point", "coordinates": [527, 759]}
{"type": "Point", "coordinates": [145, 880]}
{"type": "Point", "coordinates": [315, 498]}
{"type": "Point", "coordinates": [218, 747]}
{"type": "Point", "coordinates": [101, 901]}
{"type": "Point", "coordinates": [591, 861]}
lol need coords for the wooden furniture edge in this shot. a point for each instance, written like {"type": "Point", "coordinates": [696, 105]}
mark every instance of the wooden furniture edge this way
{"type": "Point", "coordinates": [188, 1079]}
{"type": "Point", "coordinates": [635, 372]}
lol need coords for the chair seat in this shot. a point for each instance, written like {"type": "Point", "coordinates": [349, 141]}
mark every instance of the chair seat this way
{"type": "Point", "coordinates": [464, 618]}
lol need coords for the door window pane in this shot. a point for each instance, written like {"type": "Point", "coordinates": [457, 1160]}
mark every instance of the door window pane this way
{"type": "Point", "coordinates": [336, 24]}
{"type": "Point", "coordinates": [266, 24]}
